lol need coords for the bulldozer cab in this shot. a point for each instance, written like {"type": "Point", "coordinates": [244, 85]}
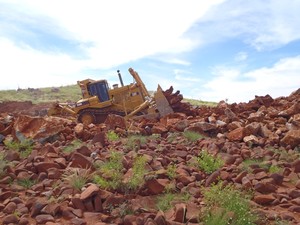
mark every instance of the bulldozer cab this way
{"type": "Point", "coordinates": [90, 88]}
{"type": "Point", "coordinates": [100, 89]}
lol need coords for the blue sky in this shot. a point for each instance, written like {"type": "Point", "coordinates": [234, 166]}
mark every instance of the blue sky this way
{"type": "Point", "coordinates": [209, 50]}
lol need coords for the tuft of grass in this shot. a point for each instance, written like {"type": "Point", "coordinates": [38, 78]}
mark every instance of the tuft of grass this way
{"type": "Point", "coordinates": [76, 143]}
{"type": "Point", "coordinates": [192, 136]}
{"type": "Point", "coordinates": [112, 136]}
{"type": "Point", "coordinates": [138, 173]}
{"type": "Point", "coordinates": [226, 205]}
{"type": "Point", "coordinates": [208, 163]}
{"type": "Point", "coordinates": [275, 169]}
{"type": "Point", "coordinates": [248, 163]}
{"type": "Point", "coordinates": [165, 201]}
{"type": "Point", "coordinates": [134, 142]}
{"type": "Point", "coordinates": [3, 164]}
{"type": "Point", "coordinates": [23, 147]}
{"type": "Point", "coordinates": [26, 182]}
{"type": "Point", "coordinates": [171, 171]}
{"type": "Point", "coordinates": [77, 177]}
{"type": "Point", "coordinates": [110, 172]}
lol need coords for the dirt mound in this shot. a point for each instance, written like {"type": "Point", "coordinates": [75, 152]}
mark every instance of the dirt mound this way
{"type": "Point", "coordinates": [79, 174]}
{"type": "Point", "coordinates": [27, 108]}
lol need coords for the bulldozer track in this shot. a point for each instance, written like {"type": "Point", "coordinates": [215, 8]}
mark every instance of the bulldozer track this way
{"type": "Point", "coordinates": [99, 115]}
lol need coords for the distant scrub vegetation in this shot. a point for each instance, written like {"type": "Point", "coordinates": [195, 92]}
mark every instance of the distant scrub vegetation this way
{"type": "Point", "coordinates": [70, 93]}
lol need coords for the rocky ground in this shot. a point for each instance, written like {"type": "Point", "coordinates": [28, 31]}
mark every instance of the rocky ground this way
{"type": "Point", "coordinates": [258, 143]}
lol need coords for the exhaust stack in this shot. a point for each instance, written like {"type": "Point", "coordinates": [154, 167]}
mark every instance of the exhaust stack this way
{"type": "Point", "coordinates": [120, 78]}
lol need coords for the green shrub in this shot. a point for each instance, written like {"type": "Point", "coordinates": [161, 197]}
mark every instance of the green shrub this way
{"type": "Point", "coordinates": [226, 205]}
{"type": "Point", "coordinates": [165, 201]}
{"type": "Point", "coordinates": [76, 143]}
{"type": "Point", "coordinates": [110, 172]}
{"type": "Point", "coordinates": [138, 172]}
{"type": "Point", "coordinates": [171, 171]}
{"type": "Point", "coordinates": [192, 136]}
{"type": "Point", "coordinates": [134, 142]}
{"type": "Point", "coordinates": [208, 163]}
{"type": "Point", "coordinates": [23, 147]}
{"type": "Point", "coordinates": [3, 164]}
{"type": "Point", "coordinates": [26, 182]}
{"type": "Point", "coordinates": [112, 136]}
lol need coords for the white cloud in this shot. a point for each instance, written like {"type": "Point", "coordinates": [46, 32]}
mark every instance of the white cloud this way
{"type": "Point", "coordinates": [110, 33]}
{"type": "Point", "coordinates": [241, 56]}
{"type": "Point", "coordinates": [264, 25]}
{"type": "Point", "coordinates": [279, 80]}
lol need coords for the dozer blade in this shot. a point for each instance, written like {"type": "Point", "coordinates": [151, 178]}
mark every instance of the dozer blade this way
{"type": "Point", "coordinates": [162, 103]}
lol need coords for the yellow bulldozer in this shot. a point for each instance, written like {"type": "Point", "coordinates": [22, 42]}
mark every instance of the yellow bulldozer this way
{"type": "Point", "coordinates": [99, 100]}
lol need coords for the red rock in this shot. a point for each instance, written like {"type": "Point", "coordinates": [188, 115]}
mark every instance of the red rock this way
{"type": "Point", "coordinates": [78, 129]}
{"type": "Point", "coordinates": [42, 219]}
{"type": "Point", "coordinates": [180, 212]}
{"type": "Point", "coordinates": [278, 178]}
{"type": "Point", "coordinates": [78, 221]}
{"type": "Point", "coordinates": [182, 125]}
{"type": "Point", "coordinates": [100, 138]}
{"type": "Point", "coordinates": [291, 138]}
{"type": "Point", "coordinates": [10, 208]}
{"type": "Point", "coordinates": [252, 129]}
{"type": "Point", "coordinates": [251, 139]}
{"type": "Point", "coordinates": [113, 200]}
{"type": "Point", "coordinates": [236, 135]}
{"type": "Point", "coordinates": [296, 166]}
{"type": "Point", "coordinates": [77, 203]}
{"type": "Point", "coordinates": [129, 220]}
{"type": "Point", "coordinates": [212, 178]}
{"type": "Point", "coordinates": [261, 175]}
{"type": "Point", "coordinates": [45, 166]}
{"type": "Point", "coordinates": [98, 203]}
{"type": "Point", "coordinates": [160, 218]}
{"type": "Point", "coordinates": [79, 160]}
{"type": "Point", "coordinates": [113, 121]}
{"type": "Point", "coordinates": [36, 208]}
{"type": "Point", "coordinates": [295, 193]}
{"type": "Point", "coordinates": [159, 129]}
{"type": "Point", "coordinates": [88, 204]}
{"type": "Point", "coordinates": [264, 199]}
{"type": "Point", "coordinates": [156, 186]}
{"type": "Point", "coordinates": [192, 212]}
{"type": "Point", "coordinates": [10, 219]}
{"type": "Point", "coordinates": [265, 187]}
{"type": "Point", "coordinates": [294, 208]}
{"type": "Point", "coordinates": [89, 192]}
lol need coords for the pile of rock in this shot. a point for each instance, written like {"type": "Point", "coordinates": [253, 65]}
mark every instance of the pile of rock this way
{"type": "Point", "coordinates": [251, 138]}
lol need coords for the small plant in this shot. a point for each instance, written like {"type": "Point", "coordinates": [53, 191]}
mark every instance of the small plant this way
{"type": "Point", "coordinates": [171, 171]}
{"type": "Point", "coordinates": [164, 201]}
{"type": "Point", "coordinates": [192, 136]}
{"type": "Point", "coordinates": [72, 146]}
{"type": "Point", "coordinates": [226, 205]}
{"type": "Point", "coordinates": [3, 164]}
{"type": "Point", "coordinates": [110, 172]}
{"type": "Point", "coordinates": [23, 147]}
{"type": "Point", "coordinates": [26, 182]}
{"type": "Point", "coordinates": [138, 172]}
{"type": "Point", "coordinates": [172, 137]}
{"type": "Point", "coordinates": [208, 163]}
{"type": "Point", "coordinates": [249, 163]}
{"type": "Point", "coordinates": [275, 169]}
{"type": "Point", "coordinates": [77, 177]}
{"type": "Point", "coordinates": [112, 136]}
{"type": "Point", "coordinates": [134, 142]}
